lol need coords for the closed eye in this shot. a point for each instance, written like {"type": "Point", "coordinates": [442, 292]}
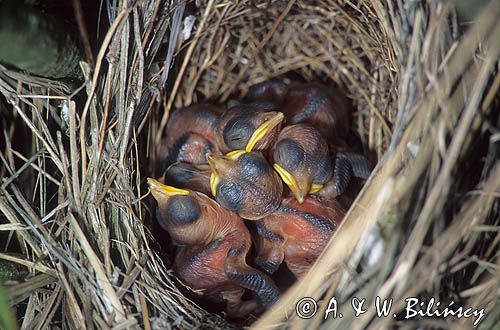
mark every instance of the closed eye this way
{"type": "Point", "coordinates": [236, 132]}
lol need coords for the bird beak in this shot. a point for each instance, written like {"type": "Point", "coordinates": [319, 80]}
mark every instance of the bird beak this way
{"type": "Point", "coordinates": [159, 189]}
{"type": "Point", "coordinates": [214, 182]}
{"type": "Point", "coordinates": [264, 129]}
{"type": "Point", "coordinates": [219, 165]}
{"type": "Point", "coordinates": [291, 182]}
{"type": "Point", "coordinates": [315, 188]}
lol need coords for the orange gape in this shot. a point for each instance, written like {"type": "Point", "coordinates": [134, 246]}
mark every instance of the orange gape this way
{"type": "Point", "coordinates": [213, 244]}
{"type": "Point", "coordinates": [297, 234]}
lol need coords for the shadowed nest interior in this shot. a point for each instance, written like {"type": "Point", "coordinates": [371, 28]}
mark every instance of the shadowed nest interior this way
{"type": "Point", "coordinates": [76, 220]}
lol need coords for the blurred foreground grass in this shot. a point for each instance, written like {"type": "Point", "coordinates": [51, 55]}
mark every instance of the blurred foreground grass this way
{"type": "Point", "coordinates": [7, 321]}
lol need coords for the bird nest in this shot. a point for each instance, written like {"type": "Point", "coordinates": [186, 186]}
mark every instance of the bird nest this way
{"type": "Point", "coordinates": [423, 82]}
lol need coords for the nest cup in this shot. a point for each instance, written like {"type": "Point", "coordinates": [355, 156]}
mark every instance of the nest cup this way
{"type": "Point", "coordinates": [337, 44]}
{"type": "Point", "coordinates": [423, 81]}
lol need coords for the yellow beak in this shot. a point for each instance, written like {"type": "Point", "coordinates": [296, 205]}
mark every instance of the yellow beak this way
{"type": "Point", "coordinates": [290, 181]}
{"type": "Point", "coordinates": [235, 154]}
{"type": "Point", "coordinates": [315, 188]}
{"type": "Point", "coordinates": [219, 164]}
{"type": "Point", "coordinates": [263, 129]}
{"type": "Point", "coordinates": [214, 182]}
{"type": "Point", "coordinates": [157, 187]}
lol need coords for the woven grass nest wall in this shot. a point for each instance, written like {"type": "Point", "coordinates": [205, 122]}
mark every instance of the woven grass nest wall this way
{"type": "Point", "coordinates": [423, 81]}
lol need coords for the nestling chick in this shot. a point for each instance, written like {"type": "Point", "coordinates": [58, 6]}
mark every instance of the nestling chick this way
{"type": "Point", "coordinates": [251, 126]}
{"type": "Point", "coordinates": [245, 183]}
{"type": "Point", "coordinates": [191, 133]}
{"type": "Point", "coordinates": [213, 244]}
{"type": "Point", "coordinates": [316, 105]}
{"type": "Point", "coordinates": [301, 157]}
{"type": "Point", "coordinates": [296, 234]}
{"type": "Point", "coordinates": [189, 176]}
{"type": "Point", "coordinates": [273, 90]}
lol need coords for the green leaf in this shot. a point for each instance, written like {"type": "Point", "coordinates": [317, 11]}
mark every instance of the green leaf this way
{"type": "Point", "coordinates": [7, 321]}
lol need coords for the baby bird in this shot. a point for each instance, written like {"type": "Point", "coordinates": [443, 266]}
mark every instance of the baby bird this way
{"type": "Point", "coordinates": [273, 90]}
{"type": "Point", "coordinates": [302, 158]}
{"type": "Point", "coordinates": [296, 234]}
{"type": "Point", "coordinates": [321, 107]}
{"type": "Point", "coordinates": [213, 244]}
{"type": "Point", "coordinates": [189, 176]}
{"type": "Point", "coordinates": [250, 126]}
{"type": "Point", "coordinates": [191, 134]}
{"type": "Point", "coordinates": [245, 183]}
{"type": "Point", "coordinates": [314, 104]}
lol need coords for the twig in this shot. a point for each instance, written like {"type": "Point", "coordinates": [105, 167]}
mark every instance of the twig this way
{"type": "Point", "coordinates": [77, 7]}
{"type": "Point", "coordinates": [177, 83]}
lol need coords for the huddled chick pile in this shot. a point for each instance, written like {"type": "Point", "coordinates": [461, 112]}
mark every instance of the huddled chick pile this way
{"type": "Point", "coordinates": [283, 132]}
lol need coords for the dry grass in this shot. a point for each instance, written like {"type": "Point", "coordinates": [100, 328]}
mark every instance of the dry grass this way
{"type": "Point", "coordinates": [425, 97]}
